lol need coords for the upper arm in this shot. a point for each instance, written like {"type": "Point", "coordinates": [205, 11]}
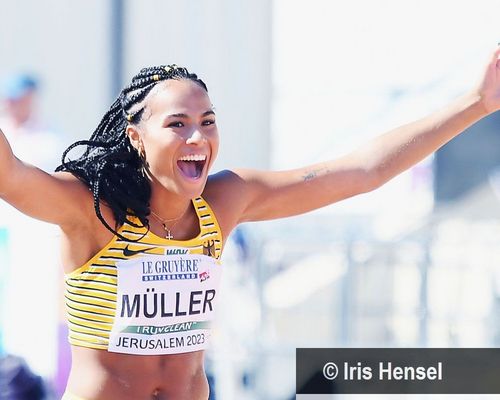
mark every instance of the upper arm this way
{"type": "Point", "coordinates": [267, 195]}
{"type": "Point", "coordinates": [57, 198]}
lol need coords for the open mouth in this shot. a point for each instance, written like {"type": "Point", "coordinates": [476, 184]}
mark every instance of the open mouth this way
{"type": "Point", "coordinates": [192, 165]}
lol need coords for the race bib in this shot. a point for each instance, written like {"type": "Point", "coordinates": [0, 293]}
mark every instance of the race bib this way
{"type": "Point", "coordinates": [165, 304]}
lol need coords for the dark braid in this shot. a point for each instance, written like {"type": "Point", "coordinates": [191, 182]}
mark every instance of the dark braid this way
{"type": "Point", "coordinates": [110, 166]}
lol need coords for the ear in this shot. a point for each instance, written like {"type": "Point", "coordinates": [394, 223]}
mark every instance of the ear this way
{"type": "Point", "coordinates": [134, 136]}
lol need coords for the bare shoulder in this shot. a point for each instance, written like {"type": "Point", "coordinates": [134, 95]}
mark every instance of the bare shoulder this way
{"type": "Point", "coordinates": [83, 197]}
{"type": "Point", "coordinates": [72, 181]}
{"type": "Point", "coordinates": [85, 235]}
{"type": "Point", "coordinates": [225, 192]}
{"type": "Point", "coordinates": [79, 193]}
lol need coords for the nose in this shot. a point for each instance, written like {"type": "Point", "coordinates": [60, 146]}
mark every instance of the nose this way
{"type": "Point", "coordinates": [196, 137]}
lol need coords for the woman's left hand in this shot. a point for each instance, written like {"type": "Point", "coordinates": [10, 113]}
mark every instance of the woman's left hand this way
{"type": "Point", "coordinates": [489, 86]}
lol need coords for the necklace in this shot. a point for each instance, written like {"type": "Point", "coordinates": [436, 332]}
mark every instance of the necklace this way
{"type": "Point", "coordinates": [162, 221]}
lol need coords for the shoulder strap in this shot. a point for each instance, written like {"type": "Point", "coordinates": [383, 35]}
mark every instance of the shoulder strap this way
{"type": "Point", "coordinates": [211, 234]}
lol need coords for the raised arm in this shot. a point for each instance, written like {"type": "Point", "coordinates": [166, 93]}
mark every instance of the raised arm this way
{"type": "Point", "coordinates": [266, 195]}
{"type": "Point", "coordinates": [58, 198]}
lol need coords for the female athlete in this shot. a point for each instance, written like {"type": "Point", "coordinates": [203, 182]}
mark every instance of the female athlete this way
{"type": "Point", "coordinates": [144, 224]}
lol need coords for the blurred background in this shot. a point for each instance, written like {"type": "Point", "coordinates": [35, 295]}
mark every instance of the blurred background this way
{"type": "Point", "coordinates": [414, 264]}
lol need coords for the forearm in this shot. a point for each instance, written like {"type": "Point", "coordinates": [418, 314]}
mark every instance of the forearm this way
{"type": "Point", "coordinates": [397, 150]}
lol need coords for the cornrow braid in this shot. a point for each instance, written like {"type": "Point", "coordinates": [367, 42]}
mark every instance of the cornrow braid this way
{"type": "Point", "coordinates": [110, 166]}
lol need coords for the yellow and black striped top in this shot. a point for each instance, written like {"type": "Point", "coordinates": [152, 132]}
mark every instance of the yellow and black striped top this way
{"type": "Point", "coordinates": [91, 290]}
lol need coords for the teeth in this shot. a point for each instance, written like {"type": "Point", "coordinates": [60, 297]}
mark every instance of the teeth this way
{"type": "Point", "coordinates": [193, 157]}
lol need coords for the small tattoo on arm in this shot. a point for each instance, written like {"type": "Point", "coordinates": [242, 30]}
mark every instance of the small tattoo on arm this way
{"type": "Point", "coordinates": [313, 174]}
{"type": "Point", "coordinates": [310, 176]}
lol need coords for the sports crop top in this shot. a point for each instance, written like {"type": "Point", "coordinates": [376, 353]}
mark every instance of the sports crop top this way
{"type": "Point", "coordinates": [152, 296]}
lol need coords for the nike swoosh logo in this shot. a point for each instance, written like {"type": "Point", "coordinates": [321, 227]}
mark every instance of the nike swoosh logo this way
{"type": "Point", "coordinates": [128, 253]}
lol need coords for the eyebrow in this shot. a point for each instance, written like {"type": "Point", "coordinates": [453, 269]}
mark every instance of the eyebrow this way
{"type": "Point", "coordinates": [182, 115]}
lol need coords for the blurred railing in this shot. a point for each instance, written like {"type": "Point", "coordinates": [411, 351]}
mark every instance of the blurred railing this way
{"type": "Point", "coordinates": [330, 285]}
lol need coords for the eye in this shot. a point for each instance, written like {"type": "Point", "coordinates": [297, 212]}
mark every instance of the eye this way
{"type": "Point", "coordinates": [176, 124]}
{"type": "Point", "coordinates": [208, 122]}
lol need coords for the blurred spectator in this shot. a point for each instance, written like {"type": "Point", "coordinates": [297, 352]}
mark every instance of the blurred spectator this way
{"type": "Point", "coordinates": [31, 139]}
{"type": "Point", "coordinates": [18, 382]}
{"type": "Point", "coordinates": [33, 142]}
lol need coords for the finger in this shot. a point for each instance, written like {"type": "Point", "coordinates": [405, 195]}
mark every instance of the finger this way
{"type": "Point", "coordinates": [496, 53]}
{"type": "Point", "coordinates": [495, 60]}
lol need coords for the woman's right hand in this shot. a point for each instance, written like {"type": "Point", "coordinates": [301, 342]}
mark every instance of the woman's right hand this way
{"type": "Point", "coordinates": [488, 88]}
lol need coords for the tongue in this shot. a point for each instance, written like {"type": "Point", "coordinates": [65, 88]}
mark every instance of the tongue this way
{"type": "Point", "coordinates": [188, 168]}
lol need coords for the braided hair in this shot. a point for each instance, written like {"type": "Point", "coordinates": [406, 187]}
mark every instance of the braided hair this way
{"type": "Point", "coordinates": [110, 166]}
